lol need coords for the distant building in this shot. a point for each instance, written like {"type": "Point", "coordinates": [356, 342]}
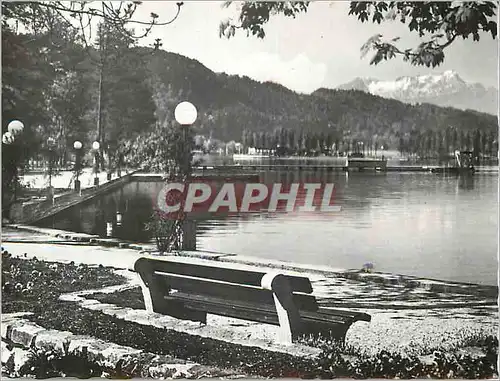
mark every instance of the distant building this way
{"type": "Point", "coordinates": [260, 152]}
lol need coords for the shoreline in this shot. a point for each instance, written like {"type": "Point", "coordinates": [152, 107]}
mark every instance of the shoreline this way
{"type": "Point", "coordinates": [408, 281]}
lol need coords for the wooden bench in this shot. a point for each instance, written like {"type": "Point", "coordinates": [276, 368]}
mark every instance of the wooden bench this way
{"type": "Point", "coordinates": [189, 291]}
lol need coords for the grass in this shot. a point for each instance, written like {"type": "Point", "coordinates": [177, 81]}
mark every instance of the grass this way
{"type": "Point", "coordinates": [32, 285]}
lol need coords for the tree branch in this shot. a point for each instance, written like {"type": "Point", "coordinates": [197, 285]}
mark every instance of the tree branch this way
{"type": "Point", "coordinates": [112, 16]}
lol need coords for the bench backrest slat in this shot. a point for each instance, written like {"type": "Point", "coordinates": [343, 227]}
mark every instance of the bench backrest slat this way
{"type": "Point", "coordinates": [237, 276]}
{"type": "Point", "coordinates": [231, 291]}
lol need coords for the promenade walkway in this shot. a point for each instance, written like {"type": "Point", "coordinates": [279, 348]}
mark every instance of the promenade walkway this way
{"type": "Point", "coordinates": [65, 179]}
{"type": "Point", "coordinates": [37, 208]}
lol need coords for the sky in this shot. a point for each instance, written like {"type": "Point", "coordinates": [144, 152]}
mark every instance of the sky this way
{"type": "Point", "coordinates": [320, 48]}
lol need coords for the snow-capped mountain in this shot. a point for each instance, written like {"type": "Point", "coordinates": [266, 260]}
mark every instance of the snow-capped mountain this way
{"type": "Point", "coordinates": [446, 89]}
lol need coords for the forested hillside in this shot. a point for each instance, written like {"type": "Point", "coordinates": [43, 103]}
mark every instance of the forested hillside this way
{"type": "Point", "coordinates": [52, 83]}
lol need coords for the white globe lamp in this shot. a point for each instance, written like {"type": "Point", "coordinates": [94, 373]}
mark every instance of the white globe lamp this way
{"type": "Point", "coordinates": [77, 145]}
{"type": "Point", "coordinates": [185, 113]}
{"type": "Point", "coordinates": [7, 138]}
{"type": "Point", "coordinates": [96, 146]}
{"type": "Point", "coordinates": [15, 127]}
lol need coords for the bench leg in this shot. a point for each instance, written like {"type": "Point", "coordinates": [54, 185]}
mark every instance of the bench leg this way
{"type": "Point", "coordinates": [155, 302]}
{"type": "Point", "coordinates": [146, 294]}
{"type": "Point", "coordinates": [288, 313]}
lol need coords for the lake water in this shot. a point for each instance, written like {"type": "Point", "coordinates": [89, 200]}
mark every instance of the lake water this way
{"type": "Point", "coordinates": [436, 226]}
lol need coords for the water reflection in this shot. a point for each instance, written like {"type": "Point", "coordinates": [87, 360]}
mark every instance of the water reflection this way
{"type": "Point", "coordinates": [466, 181]}
{"type": "Point", "coordinates": [424, 224]}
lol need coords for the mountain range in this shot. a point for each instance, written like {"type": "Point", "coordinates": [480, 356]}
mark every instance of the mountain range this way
{"type": "Point", "coordinates": [447, 89]}
{"type": "Point", "coordinates": [229, 104]}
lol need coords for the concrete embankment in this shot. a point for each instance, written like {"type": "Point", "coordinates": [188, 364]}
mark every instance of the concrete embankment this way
{"type": "Point", "coordinates": [36, 210]}
{"type": "Point", "coordinates": [21, 233]}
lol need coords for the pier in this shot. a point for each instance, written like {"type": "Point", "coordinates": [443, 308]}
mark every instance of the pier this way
{"type": "Point", "coordinates": [358, 165]}
{"type": "Point", "coordinates": [361, 163]}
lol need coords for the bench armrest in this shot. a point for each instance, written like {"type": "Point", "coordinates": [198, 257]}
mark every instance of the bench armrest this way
{"type": "Point", "coordinates": [288, 313]}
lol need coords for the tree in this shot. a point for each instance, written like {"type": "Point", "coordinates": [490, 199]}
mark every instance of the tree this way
{"type": "Point", "coordinates": [122, 114]}
{"type": "Point", "coordinates": [262, 140]}
{"type": "Point", "coordinates": [484, 143]}
{"type": "Point", "coordinates": [250, 139]}
{"type": "Point", "coordinates": [68, 98]}
{"type": "Point", "coordinates": [439, 144]}
{"type": "Point", "coordinates": [454, 139]}
{"type": "Point", "coordinates": [12, 158]}
{"type": "Point", "coordinates": [462, 140]}
{"type": "Point", "coordinates": [440, 23]}
{"type": "Point", "coordinates": [69, 103]}
{"type": "Point", "coordinates": [477, 145]}
{"type": "Point", "coordinates": [26, 66]}
{"type": "Point", "coordinates": [291, 139]}
{"type": "Point", "coordinates": [59, 24]}
{"type": "Point", "coordinates": [39, 17]}
{"type": "Point", "coordinates": [401, 146]}
{"type": "Point", "coordinates": [244, 138]}
{"type": "Point", "coordinates": [267, 140]}
{"type": "Point", "coordinates": [167, 149]}
{"type": "Point", "coordinates": [429, 143]}
{"type": "Point", "coordinates": [283, 138]}
{"type": "Point", "coordinates": [493, 146]}
{"type": "Point", "coordinates": [256, 140]}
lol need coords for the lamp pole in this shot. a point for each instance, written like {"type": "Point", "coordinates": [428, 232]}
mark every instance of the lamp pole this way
{"type": "Point", "coordinates": [77, 145]}
{"type": "Point", "coordinates": [14, 130]}
{"type": "Point", "coordinates": [185, 114]}
{"type": "Point", "coordinates": [95, 147]}
{"type": "Point", "coordinates": [51, 143]}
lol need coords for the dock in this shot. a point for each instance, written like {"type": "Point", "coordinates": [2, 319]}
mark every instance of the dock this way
{"type": "Point", "coordinates": [374, 165]}
{"type": "Point", "coordinates": [361, 164]}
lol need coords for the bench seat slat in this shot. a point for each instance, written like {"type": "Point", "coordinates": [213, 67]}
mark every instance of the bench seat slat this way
{"type": "Point", "coordinates": [227, 308]}
{"type": "Point", "coordinates": [245, 277]}
{"type": "Point", "coordinates": [351, 314]}
{"type": "Point", "coordinates": [262, 313]}
{"type": "Point", "coordinates": [324, 318]}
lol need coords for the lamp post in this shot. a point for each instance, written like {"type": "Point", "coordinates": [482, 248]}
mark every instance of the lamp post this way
{"type": "Point", "coordinates": [110, 167]}
{"type": "Point", "coordinates": [77, 145]}
{"type": "Point", "coordinates": [51, 143]}
{"type": "Point", "coordinates": [185, 114]}
{"type": "Point", "coordinates": [95, 147]}
{"type": "Point", "coordinates": [11, 159]}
